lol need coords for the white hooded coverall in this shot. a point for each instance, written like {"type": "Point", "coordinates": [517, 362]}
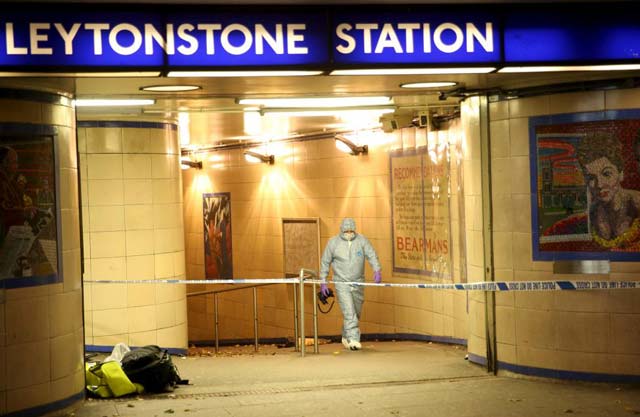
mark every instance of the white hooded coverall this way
{"type": "Point", "coordinates": [347, 260]}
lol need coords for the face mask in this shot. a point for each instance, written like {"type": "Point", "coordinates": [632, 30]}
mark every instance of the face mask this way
{"type": "Point", "coordinates": [349, 235]}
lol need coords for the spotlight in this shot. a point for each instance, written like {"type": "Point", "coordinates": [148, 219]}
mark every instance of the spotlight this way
{"type": "Point", "coordinates": [254, 157]}
{"type": "Point", "coordinates": [186, 164]}
{"type": "Point", "coordinates": [345, 145]}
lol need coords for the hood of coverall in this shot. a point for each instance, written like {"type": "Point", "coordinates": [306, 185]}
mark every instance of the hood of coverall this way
{"type": "Point", "coordinates": [347, 224]}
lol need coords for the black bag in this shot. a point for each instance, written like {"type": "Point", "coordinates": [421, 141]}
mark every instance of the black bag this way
{"type": "Point", "coordinates": [151, 367]}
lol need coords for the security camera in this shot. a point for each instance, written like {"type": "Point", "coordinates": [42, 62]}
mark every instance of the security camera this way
{"type": "Point", "coordinates": [423, 119]}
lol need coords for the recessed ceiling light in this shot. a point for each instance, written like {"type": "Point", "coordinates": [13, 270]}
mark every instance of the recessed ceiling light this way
{"type": "Point", "coordinates": [170, 88]}
{"type": "Point", "coordinates": [437, 84]}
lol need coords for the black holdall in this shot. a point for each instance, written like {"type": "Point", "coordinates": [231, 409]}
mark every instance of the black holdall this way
{"type": "Point", "coordinates": [153, 368]}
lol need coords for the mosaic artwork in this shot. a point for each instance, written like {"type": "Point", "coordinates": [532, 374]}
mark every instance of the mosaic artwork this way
{"type": "Point", "coordinates": [586, 188]}
{"type": "Point", "coordinates": [218, 258]}
{"type": "Point", "coordinates": [28, 229]}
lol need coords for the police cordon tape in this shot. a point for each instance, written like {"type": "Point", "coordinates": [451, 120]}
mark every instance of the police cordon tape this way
{"type": "Point", "coordinates": [471, 286]}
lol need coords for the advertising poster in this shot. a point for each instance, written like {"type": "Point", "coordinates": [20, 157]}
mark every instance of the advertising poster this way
{"type": "Point", "coordinates": [218, 260]}
{"type": "Point", "coordinates": [28, 227]}
{"type": "Point", "coordinates": [420, 210]}
{"type": "Point", "coordinates": [586, 187]}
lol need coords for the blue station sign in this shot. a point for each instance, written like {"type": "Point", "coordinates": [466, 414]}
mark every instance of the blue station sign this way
{"type": "Point", "coordinates": [319, 38]}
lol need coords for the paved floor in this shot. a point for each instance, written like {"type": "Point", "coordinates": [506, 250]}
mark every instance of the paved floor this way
{"type": "Point", "coordinates": [384, 379]}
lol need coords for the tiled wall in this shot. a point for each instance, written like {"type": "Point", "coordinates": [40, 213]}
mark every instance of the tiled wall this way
{"type": "Point", "coordinates": [132, 230]}
{"type": "Point", "coordinates": [41, 335]}
{"type": "Point", "coordinates": [591, 331]}
{"type": "Point", "coordinates": [470, 119]}
{"type": "Point", "coordinates": [308, 179]}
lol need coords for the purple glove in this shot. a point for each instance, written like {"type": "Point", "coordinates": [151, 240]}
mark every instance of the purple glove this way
{"type": "Point", "coordinates": [324, 290]}
{"type": "Point", "coordinates": [377, 277]}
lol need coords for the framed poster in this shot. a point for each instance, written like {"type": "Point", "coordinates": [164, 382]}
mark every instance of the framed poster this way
{"type": "Point", "coordinates": [29, 218]}
{"type": "Point", "coordinates": [218, 260]}
{"type": "Point", "coordinates": [301, 245]}
{"type": "Point", "coordinates": [420, 212]}
{"type": "Point", "coordinates": [585, 186]}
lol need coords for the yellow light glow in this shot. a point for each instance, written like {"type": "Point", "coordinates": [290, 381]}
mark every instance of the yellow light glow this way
{"type": "Point", "coordinates": [183, 129]}
{"type": "Point", "coordinates": [252, 123]}
{"type": "Point", "coordinates": [342, 147]}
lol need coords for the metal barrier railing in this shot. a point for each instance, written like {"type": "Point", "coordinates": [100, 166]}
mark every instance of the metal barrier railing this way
{"type": "Point", "coordinates": [298, 319]}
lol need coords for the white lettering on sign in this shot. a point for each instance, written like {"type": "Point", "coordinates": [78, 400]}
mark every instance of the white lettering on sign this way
{"type": "Point", "coordinates": [400, 38]}
{"type": "Point", "coordinates": [38, 38]}
{"type": "Point", "coordinates": [183, 39]}
{"type": "Point", "coordinates": [67, 36]}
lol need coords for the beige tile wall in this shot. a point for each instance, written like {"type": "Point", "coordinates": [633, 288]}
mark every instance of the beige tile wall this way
{"type": "Point", "coordinates": [41, 346]}
{"type": "Point", "coordinates": [133, 230]}
{"type": "Point", "coordinates": [309, 179]}
{"type": "Point", "coordinates": [593, 331]}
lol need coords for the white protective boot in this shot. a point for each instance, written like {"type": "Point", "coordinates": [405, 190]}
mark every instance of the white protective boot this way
{"type": "Point", "coordinates": [353, 345]}
{"type": "Point", "coordinates": [345, 343]}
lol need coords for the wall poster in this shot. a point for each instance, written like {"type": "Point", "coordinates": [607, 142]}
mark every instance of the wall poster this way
{"type": "Point", "coordinates": [585, 186]}
{"type": "Point", "coordinates": [28, 227]}
{"type": "Point", "coordinates": [420, 212]}
{"type": "Point", "coordinates": [218, 259]}
{"type": "Point", "coordinates": [301, 244]}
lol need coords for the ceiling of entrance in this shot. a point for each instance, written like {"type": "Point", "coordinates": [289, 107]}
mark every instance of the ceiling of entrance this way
{"type": "Point", "coordinates": [216, 117]}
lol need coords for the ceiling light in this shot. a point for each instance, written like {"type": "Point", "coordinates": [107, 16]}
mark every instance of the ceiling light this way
{"type": "Point", "coordinates": [560, 68]}
{"type": "Point", "coordinates": [170, 88]}
{"type": "Point", "coordinates": [319, 112]}
{"type": "Point", "coordinates": [317, 102]}
{"type": "Point", "coordinates": [90, 102]}
{"type": "Point", "coordinates": [345, 145]}
{"type": "Point", "coordinates": [186, 164]}
{"type": "Point", "coordinates": [437, 84]}
{"type": "Point", "coordinates": [413, 71]}
{"type": "Point", "coordinates": [255, 157]}
{"type": "Point", "coordinates": [242, 73]}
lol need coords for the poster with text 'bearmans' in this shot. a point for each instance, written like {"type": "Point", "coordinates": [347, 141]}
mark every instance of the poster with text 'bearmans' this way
{"type": "Point", "coordinates": [420, 212]}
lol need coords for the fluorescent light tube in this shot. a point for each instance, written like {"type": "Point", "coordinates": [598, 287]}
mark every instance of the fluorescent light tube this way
{"type": "Point", "coordinates": [89, 102]}
{"type": "Point", "coordinates": [435, 84]}
{"type": "Point", "coordinates": [560, 68]}
{"type": "Point", "coordinates": [242, 73]}
{"type": "Point", "coordinates": [170, 88]}
{"type": "Point", "coordinates": [413, 71]}
{"type": "Point", "coordinates": [316, 102]}
{"type": "Point", "coordinates": [82, 74]}
{"type": "Point", "coordinates": [318, 112]}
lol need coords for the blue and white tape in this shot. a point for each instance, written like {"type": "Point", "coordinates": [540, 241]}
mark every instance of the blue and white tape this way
{"type": "Point", "coordinates": [471, 286]}
{"type": "Point", "coordinates": [513, 285]}
{"type": "Point", "coordinates": [197, 281]}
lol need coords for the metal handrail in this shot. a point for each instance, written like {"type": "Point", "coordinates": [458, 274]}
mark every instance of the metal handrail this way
{"type": "Point", "coordinates": [308, 273]}
{"type": "Point", "coordinates": [255, 309]}
{"type": "Point", "coordinates": [298, 321]}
